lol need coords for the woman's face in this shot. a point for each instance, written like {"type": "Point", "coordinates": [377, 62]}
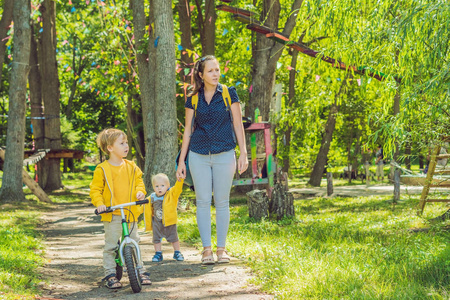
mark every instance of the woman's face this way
{"type": "Point", "coordinates": [211, 73]}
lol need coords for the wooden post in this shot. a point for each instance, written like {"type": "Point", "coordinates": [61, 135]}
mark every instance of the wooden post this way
{"type": "Point", "coordinates": [32, 185]}
{"type": "Point", "coordinates": [366, 167]}
{"type": "Point", "coordinates": [429, 180]}
{"type": "Point", "coordinates": [396, 185]}
{"type": "Point", "coordinates": [330, 183]}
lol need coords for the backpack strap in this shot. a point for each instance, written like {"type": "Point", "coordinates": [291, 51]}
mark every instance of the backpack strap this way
{"type": "Point", "coordinates": [227, 100]}
{"type": "Point", "coordinates": [194, 102]}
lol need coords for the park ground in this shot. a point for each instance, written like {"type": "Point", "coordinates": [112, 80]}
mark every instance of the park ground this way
{"type": "Point", "coordinates": [353, 245]}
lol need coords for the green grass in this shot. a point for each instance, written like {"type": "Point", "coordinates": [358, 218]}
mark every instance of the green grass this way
{"type": "Point", "coordinates": [342, 248]}
{"type": "Point", "coordinates": [21, 251]}
{"type": "Point", "coordinates": [21, 245]}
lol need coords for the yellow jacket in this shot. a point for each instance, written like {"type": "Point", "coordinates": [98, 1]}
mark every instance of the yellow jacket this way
{"type": "Point", "coordinates": [102, 189]}
{"type": "Point", "coordinates": [169, 207]}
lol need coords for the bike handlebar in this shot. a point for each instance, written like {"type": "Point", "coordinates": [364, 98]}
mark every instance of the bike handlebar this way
{"type": "Point", "coordinates": [113, 208]}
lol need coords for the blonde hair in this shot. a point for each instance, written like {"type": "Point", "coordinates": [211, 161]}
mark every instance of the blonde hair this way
{"type": "Point", "coordinates": [161, 176]}
{"type": "Point", "coordinates": [107, 137]}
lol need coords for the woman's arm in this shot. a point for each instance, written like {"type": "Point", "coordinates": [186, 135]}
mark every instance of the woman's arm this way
{"type": "Point", "coordinates": [240, 136]}
{"type": "Point", "coordinates": [181, 171]}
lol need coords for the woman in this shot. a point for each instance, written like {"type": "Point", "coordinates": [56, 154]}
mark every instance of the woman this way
{"type": "Point", "coordinates": [212, 158]}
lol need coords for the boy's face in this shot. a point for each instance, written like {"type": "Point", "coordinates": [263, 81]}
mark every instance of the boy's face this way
{"type": "Point", "coordinates": [119, 148]}
{"type": "Point", "coordinates": [160, 186]}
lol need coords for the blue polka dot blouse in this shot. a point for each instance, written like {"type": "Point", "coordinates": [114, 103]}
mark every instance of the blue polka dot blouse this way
{"type": "Point", "coordinates": [213, 129]}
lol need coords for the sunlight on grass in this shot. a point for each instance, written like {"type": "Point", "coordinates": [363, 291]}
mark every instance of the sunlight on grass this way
{"type": "Point", "coordinates": [341, 248]}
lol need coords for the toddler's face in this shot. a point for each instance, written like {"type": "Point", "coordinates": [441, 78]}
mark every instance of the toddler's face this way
{"type": "Point", "coordinates": [160, 186]}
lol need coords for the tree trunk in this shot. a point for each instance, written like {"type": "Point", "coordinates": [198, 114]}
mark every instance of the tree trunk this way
{"type": "Point", "coordinates": [186, 60]}
{"type": "Point", "coordinates": [282, 203]}
{"type": "Point", "coordinates": [258, 204]}
{"type": "Point", "coordinates": [207, 26]}
{"type": "Point", "coordinates": [37, 108]}
{"type": "Point", "coordinates": [321, 160]}
{"type": "Point", "coordinates": [51, 173]}
{"type": "Point", "coordinates": [11, 190]}
{"type": "Point", "coordinates": [408, 156]}
{"type": "Point", "coordinates": [5, 24]}
{"type": "Point", "coordinates": [165, 145]}
{"type": "Point", "coordinates": [288, 132]}
{"type": "Point", "coordinates": [146, 67]}
{"type": "Point", "coordinates": [265, 53]}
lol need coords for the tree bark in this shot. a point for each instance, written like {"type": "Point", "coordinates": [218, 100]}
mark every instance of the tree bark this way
{"type": "Point", "coordinates": [282, 203]}
{"type": "Point", "coordinates": [321, 160]}
{"type": "Point", "coordinates": [265, 53]}
{"type": "Point", "coordinates": [408, 156]}
{"type": "Point", "coordinates": [5, 24]}
{"type": "Point", "coordinates": [291, 92]}
{"type": "Point", "coordinates": [51, 173]}
{"type": "Point", "coordinates": [11, 190]}
{"type": "Point", "coordinates": [165, 145]}
{"type": "Point", "coordinates": [37, 108]}
{"type": "Point", "coordinates": [146, 67]}
{"type": "Point", "coordinates": [258, 204]}
{"type": "Point", "coordinates": [186, 60]}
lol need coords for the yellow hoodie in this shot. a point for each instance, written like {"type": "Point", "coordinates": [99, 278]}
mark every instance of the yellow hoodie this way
{"type": "Point", "coordinates": [169, 207]}
{"type": "Point", "coordinates": [102, 189]}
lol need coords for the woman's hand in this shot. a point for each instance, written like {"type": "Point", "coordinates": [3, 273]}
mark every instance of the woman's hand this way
{"type": "Point", "coordinates": [242, 163]}
{"type": "Point", "coordinates": [181, 170]}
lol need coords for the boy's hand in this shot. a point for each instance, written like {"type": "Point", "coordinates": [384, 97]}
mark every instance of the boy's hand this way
{"type": "Point", "coordinates": [101, 208]}
{"type": "Point", "coordinates": [140, 195]}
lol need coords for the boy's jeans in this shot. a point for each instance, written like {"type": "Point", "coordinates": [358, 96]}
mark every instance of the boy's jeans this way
{"type": "Point", "coordinates": [113, 232]}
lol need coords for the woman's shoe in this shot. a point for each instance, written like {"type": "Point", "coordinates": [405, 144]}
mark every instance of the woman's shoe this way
{"type": "Point", "coordinates": [223, 257]}
{"type": "Point", "coordinates": [207, 259]}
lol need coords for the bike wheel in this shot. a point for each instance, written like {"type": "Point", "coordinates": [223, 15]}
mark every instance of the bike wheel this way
{"type": "Point", "coordinates": [131, 263]}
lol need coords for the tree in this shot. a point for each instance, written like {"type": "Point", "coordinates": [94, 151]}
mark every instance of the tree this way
{"type": "Point", "coordinates": [146, 61]}
{"type": "Point", "coordinates": [206, 24]}
{"type": "Point", "coordinates": [165, 115]}
{"type": "Point", "coordinates": [186, 60]}
{"type": "Point", "coordinates": [11, 189]}
{"type": "Point", "coordinates": [5, 23]}
{"type": "Point", "coordinates": [49, 172]}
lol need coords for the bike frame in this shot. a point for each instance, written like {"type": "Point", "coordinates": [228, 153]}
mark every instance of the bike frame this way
{"type": "Point", "coordinates": [126, 239]}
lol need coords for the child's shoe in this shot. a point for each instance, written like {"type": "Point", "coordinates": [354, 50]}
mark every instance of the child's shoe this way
{"type": "Point", "coordinates": [178, 256]}
{"type": "Point", "coordinates": [158, 257]}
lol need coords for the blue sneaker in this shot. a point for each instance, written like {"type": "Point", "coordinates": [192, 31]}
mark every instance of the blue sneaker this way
{"type": "Point", "coordinates": [178, 256]}
{"type": "Point", "coordinates": [158, 257]}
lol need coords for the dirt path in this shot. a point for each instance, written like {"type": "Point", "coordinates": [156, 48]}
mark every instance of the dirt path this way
{"type": "Point", "coordinates": [74, 243]}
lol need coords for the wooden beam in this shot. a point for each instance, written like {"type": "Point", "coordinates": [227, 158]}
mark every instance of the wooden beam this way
{"type": "Point", "coordinates": [428, 181]}
{"type": "Point", "coordinates": [438, 200]}
{"type": "Point", "coordinates": [235, 10]}
{"type": "Point", "coordinates": [32, 185]}
{"type": "Point", "coordinates": [245, 19]}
